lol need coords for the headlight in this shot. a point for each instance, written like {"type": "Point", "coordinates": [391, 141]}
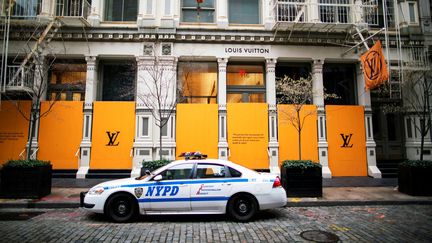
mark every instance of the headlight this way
{"type": "Point", "coordinates": [96, 190]}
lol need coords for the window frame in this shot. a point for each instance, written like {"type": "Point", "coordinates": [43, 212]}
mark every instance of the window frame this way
{"type": "Point", "coordinates": [195, 8]}
{"type": "Point", "coordinates": [260, 15]}
{"type": "Point", "coordinates": [105, 13]}
{"type": "Point", "coordinates": [191, 173]}
{"type": "Point", "coordinates": [416, 14]}
{"type": "Point", "coordinates": [247, 90]}
{"type": "Point", "coordinates": [195, 174]}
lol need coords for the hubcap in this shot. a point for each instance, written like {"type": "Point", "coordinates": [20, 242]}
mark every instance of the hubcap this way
{"type": "Point", "coordinates": [121, 209]}
{"type": "Point", "coordinates": [243, 206]}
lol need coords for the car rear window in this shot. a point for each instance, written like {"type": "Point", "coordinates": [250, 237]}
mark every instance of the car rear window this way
{"type": "Point", "coordinates": [234, 172]}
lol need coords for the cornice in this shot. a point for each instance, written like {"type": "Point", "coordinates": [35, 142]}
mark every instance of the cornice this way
{"type": "Point", "coordinates": [227, 37]}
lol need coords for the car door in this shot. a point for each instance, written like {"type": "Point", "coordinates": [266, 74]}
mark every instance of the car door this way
{"type": "Point", "coordinates": [211, 188]}
{"type": "Point", "coordinates": [172, 192]}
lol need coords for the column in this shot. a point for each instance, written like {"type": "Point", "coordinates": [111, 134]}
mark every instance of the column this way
{"type": "Point", "coordinates": [222, 14]}
{"type": "Point", "coordinates": [167, 19]}
{"type": "Point", "coordinates": [96, 11]}
{"type": "Point", "coordinates": [272, 113]}
{"type": "Point", "coordinates": [47, 9]}
{"type": "Point", "coordinates": [313, 11]}
{"type": "Point", "coordinates": [365, 101]}
{"type": "Point", "coordinates": [146, 13]}
{"type": "Point", "coordinates": [318, 100]}
{"type": "Point", "coordinates": [169, 79]}
{"type": "Point", "coordinates": [144, 128]}
{"type": "Point", "coordinates": [358, 12]}
{"type": "Point", "coordinates": [268, 10]}
{"type": "Point", "coordinates": [222, 144]}
{"type": "Point", "coordinates": [90, 97]}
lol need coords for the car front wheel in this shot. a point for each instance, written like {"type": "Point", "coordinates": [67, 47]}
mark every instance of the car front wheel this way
{"type": "Point", "coordinates": [121, 208]}
{"type": "Point", "coordinates": [242, 207]}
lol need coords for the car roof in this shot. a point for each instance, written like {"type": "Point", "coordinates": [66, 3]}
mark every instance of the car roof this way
{"type": "Point", "coordinates": [217, 161]}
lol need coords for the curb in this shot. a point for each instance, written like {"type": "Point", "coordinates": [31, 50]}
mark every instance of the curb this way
{"type": "Point", "coordinates": [40, 205]}
{"type": "Point", "coordinates": [356, 203]}
{"type": "Point", "coordinates": [59, 205]}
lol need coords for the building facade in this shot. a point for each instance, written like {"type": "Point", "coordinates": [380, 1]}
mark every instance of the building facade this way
{"type": "Point", "coordinates": [215, 64]}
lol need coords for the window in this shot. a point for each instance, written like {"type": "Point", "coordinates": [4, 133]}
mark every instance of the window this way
{"type": "Point", "coordinates": [390, 14]}
{"type": "Point", "coordinates": [334, 11]}
{"type": "Point", "coordinates": [194, 12]}
{"type": "Point", "coordinates": [234, 172]}
{"type": "Point", "coordinates": [67, 81]}
{"type": "Point", "coordinates": [244, 11]}
{"type": "Point", "coordinates": [164, 128]}
{"type": "Point", "coordinates": [121, 10]}
{"type": "Point", "coordinates": [26, 8]}
{"type": "Point", "coordinates": [198, 82]}
{"type": "Point", "coordinates": [144, 126]}
{"type": "Point", "coordinates": [177, 172]}
{"type": "Point", "coordinates": [294, 71]}
{"type": "Point", "coordinates": [210, 171]}
{"type": "Point", "coordinates": [412, 12]}
{"type": "Point", "coordinates": [245, 83]}
{"type": "Point", "coordinates": [340, 79]}
{"type": "Point", "coordinates": [118, 81]}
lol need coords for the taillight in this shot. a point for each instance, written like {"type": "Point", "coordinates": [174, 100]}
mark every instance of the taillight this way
{"type": "Point", "coordinates": [277, 182]}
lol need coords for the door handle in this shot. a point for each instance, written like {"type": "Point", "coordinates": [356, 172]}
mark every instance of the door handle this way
{"type": "Point", "coordinates": [228, 184]}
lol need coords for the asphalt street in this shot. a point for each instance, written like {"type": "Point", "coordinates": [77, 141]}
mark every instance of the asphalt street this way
{"type": "Point", "coordinates": [391, 223]}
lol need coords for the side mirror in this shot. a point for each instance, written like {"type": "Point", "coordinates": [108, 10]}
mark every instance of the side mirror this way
{"type": "Point", "coordinates": [147, 172]}
{"type": "Point", "coordinates": [157, 178]}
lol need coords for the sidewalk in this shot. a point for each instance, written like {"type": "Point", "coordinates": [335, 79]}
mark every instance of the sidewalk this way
{"type": "Point", "coordinates": [336, 192]}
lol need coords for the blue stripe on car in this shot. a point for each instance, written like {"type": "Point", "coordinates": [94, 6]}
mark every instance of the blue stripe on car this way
{"type": "Point", "coordinates": [178, 183]}
{"type": "Point", "coordinates": [183, 199]}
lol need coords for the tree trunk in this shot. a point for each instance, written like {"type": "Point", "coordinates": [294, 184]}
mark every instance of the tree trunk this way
{"type": "Point", "coordinates": [299, 133]}
{"type": "Point", "coordinates": [32, 130]}
{"type": "Point", "coordinates": [160, 142]}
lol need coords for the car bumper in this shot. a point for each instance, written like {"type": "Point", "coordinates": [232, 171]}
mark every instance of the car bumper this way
{"type": "Point", "coordinates": [92, 203]}
{"type": "Point", "coordinates": [277, 198]}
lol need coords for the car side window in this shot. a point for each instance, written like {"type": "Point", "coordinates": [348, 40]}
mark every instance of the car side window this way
{"type": "Point", "coordinates": [177, 172]}
{"type": "Point", "coordinates": [234, 172]}
{"type": "Point", "coordinates": [210, 171]}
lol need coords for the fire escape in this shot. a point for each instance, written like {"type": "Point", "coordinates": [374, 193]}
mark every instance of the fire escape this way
{"type": "Point", "coordinates": [18, 76]}
{"type": "Point", "coordinates": [361, 21]}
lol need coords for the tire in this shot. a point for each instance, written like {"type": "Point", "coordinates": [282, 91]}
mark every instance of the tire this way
{"type": "Point", "coordinates": [121, 208]}
{"type": "Point", "coordinates": [242, 207]}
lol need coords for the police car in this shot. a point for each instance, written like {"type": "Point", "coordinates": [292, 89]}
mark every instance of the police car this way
{"type": "Point", "coordinates": [192, 186]}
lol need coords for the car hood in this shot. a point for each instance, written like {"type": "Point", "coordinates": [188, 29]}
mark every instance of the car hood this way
{"type": "Point", "coordinates": [119, 182]}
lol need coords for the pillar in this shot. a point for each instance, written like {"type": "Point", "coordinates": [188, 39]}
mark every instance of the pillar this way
{"type": "Point", "coordinates": [364, 100]}
{"type": "Point", "coordinates": [273, 147]}
{"type": "Point", "coordinates": [222, 14]}
{"type": "Point", "coordinates": [223, 152]}
{"type": "Point", "coordinates": [318, 100]}
{"type": "Point", "coordinates": [90, 97]}
{"type": "Point", "coordinates": [96, 11]}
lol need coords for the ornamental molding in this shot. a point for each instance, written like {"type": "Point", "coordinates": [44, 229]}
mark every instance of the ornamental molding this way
{"type": "Point", "coordinates": [228, 36]}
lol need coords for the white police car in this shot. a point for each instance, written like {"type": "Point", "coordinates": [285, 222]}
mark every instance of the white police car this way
{"type": "Point", "coordinates": [196, 186]}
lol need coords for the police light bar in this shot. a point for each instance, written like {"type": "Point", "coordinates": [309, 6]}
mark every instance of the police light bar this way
{"type": "Point", "coordinates": [193, 155]}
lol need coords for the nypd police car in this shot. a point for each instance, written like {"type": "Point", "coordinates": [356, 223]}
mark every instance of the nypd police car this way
{"type": "Point", "coordinates": [191, 186]}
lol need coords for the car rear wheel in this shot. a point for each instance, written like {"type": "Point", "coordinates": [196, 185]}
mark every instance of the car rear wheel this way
{"type": "Point", "coordinates": [242, 207]}
{"type": "Point", "coordinates": [121, 208]}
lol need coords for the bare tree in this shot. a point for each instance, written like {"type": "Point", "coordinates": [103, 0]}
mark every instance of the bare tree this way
{"type": "Point", "coordinates": [298, 93]}
{"type": "Point", "coordinates": [417, 95]}
{"type": "Point", "coordinates": [161, 92]}
{"type": "Point", "coordinates": [32, 73]}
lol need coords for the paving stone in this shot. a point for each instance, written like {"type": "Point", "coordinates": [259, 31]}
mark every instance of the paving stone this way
{"type": "Point", "coordinates": [390, 223]}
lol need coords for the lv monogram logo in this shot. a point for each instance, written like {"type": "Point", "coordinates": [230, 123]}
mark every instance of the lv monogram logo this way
{"type": "Point", "coordinates": [346, 140]}
{"type": "Point", "coordinates": [112, 136]}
